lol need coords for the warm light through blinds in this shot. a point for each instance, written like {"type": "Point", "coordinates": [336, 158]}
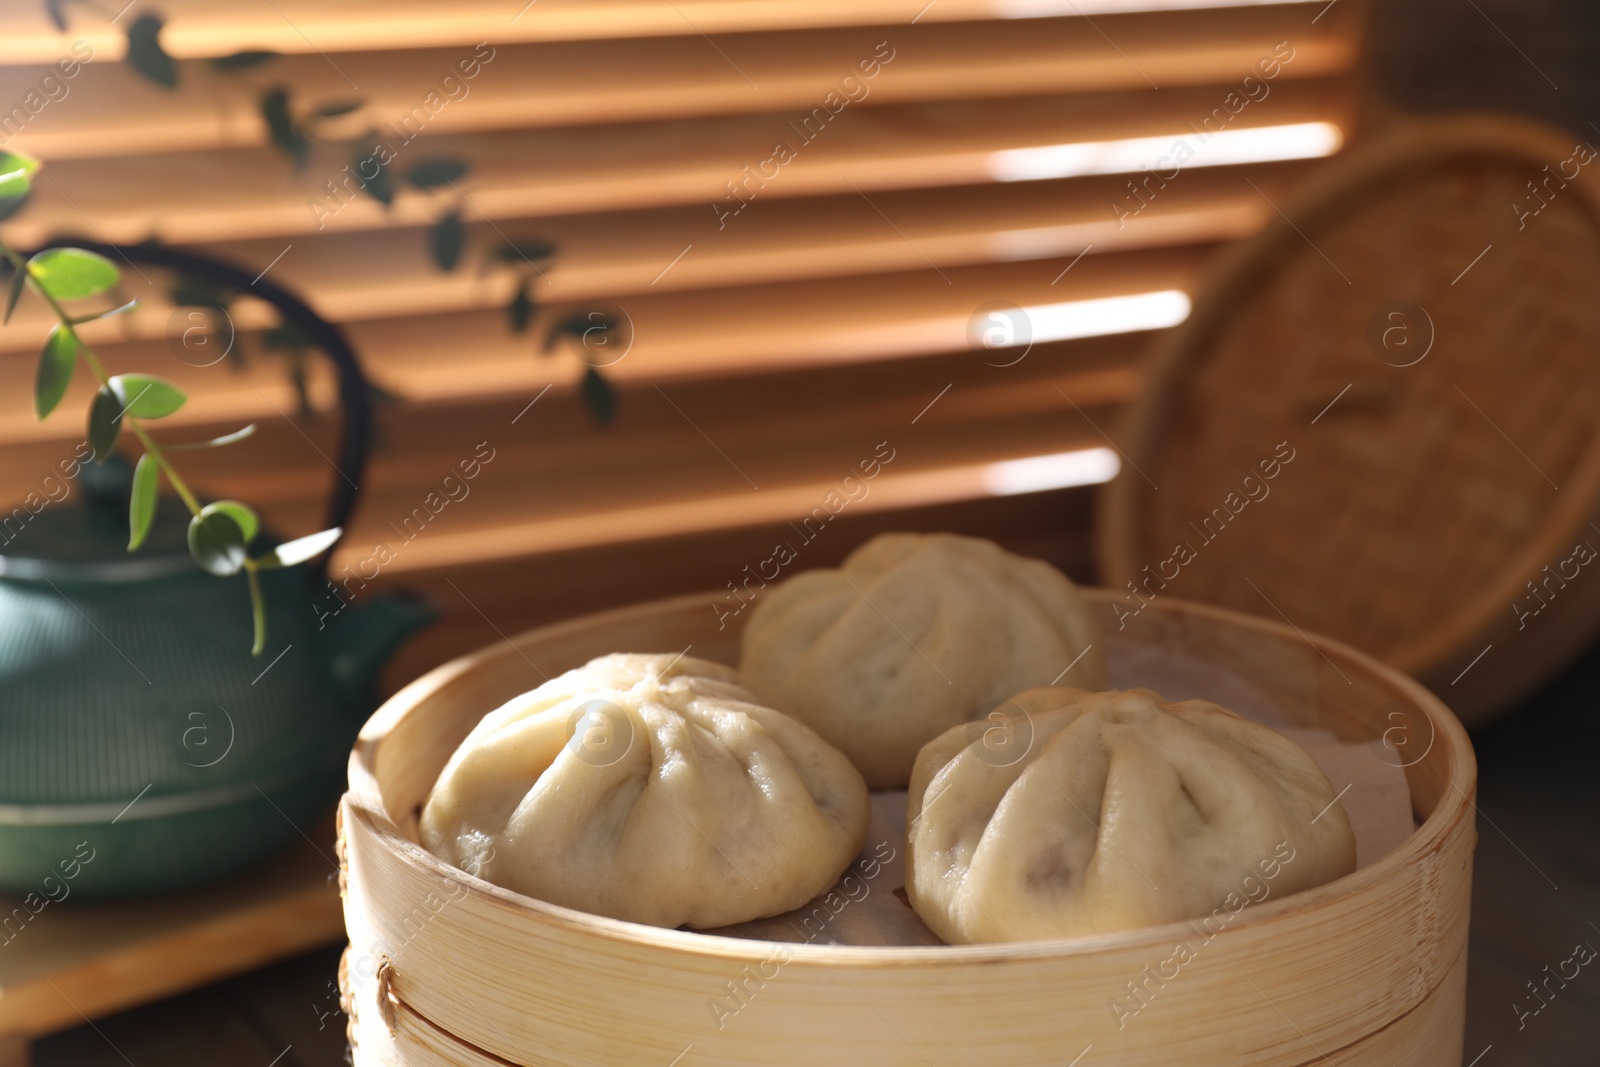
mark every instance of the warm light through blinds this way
{"type": "Point", "coordinates": [1109, 315]}
{"type": "Point", "coordinates": [1062, 470]}
{"type": "Point", "coordinates": [1168, 156]}
{"type": "Point", "coordinates": [790, 312]}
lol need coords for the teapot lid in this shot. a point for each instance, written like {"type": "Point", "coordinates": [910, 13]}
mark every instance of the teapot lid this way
{"type": "Point", "coordinates": [49, 539]}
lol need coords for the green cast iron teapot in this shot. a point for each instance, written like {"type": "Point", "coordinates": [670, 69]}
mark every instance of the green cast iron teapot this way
{"type": "Point", "coordinates": [142, 748]}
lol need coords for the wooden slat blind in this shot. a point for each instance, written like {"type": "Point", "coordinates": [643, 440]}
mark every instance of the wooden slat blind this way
{"type": "Point", "coordinates": [204, 28]}
{"type": "Point", "coordinates": [772, 346]}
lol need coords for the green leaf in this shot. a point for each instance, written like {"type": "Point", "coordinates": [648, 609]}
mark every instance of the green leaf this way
{"type": "Point", "coordinates": [244, 60]}
{"type": "Point", "coordinates": [19, 282]}
{"type": "Point", "coordinates": [599, 395]}
{"type": "Point", "coordinates": [572, 325]}
{"type": "Point", "coordinates": [376, 176]}
{"type": "Point", "coordinates": [16, 178]}
{"type": "Point", "coordinates": [248, 522]}
{"type": "Point", "coordinates": [142, 503]}
{"type": "Point", "coordinates": [148, 397]}
{"type": "Point", "coordinates": [215, 442]}
{"type": "Point", "coordinates": [580, 326]}
{"type": "Point", "coordinates": [339, 107]}
{"type": "Point", "coordinates": [524, 251]}
{"type": "Point", "coordinates": [519, 313]}
{"type": "Point", "coordinates": [216, 543]}
{"type": "Point", "coordinates": [72, 273]}
{"type": "Point", "coordinates": [300, 549]}
{"type": "Point", "coordinates": [445, 241]}
{"type": "Point", "coordinates": [431, 173]}
{"type": "Point", "coordinates": [105, 422]}
{"type": "Point", "coordinates": [16, 169]}
{"type": "Point", "coordinates": [284, 131]}
{"type": "Point", "coordinates": [146, 55]}
{"type": "Point", "coordinates": [56, 360]}
{"type": "Point", "coordinates": [121, 309]}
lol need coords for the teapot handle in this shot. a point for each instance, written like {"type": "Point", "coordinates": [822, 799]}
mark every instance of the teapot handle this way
{"type": "Point", "coordinates": [355, 438]}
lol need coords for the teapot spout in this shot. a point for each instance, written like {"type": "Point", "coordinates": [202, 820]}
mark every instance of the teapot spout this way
{"type": "Point", "coordinates": [358, 643]}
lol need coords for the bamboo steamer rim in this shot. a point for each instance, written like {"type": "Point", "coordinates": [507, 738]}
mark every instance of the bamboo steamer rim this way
{"type": "Point", "coordinates": [365, 801]}
{"type": "Point", "coordinates": [1480, 137]}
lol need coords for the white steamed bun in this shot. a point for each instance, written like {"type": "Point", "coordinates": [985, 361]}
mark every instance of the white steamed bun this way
{"type": "Point", "coordinates": [913, 634]}
{"type": "Point", "coordinates": [651, 788]}
{"type": "Point", "coordinates": [1080, 813]}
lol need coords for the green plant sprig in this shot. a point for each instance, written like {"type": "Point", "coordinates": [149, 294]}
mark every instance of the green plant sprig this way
{"type": "Point", "coordinates": [219, 533]}
{"type": "Point", "coordinates": [293, 130]}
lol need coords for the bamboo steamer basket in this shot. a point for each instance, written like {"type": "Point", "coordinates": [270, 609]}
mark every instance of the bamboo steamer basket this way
{"type": "Point", "coordinates": [1419, 328]}
{"type": "Point", "coordinates": [445, 968]}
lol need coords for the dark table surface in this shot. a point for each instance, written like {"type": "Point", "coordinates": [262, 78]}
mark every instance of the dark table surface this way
{"type": "Point", "coordinates": [1536, 896]}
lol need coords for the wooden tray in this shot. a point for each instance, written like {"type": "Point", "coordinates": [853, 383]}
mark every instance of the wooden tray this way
{"type": "Point", "coordinates": [79, 960]}
{"type": "Point", "coordinates": [1418, 330]}
{"type": "Point", "coordinates": [447, 969]}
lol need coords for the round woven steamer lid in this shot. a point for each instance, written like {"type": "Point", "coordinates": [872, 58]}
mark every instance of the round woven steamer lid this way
{"type": "Point", "coordinates": [1408, 349]}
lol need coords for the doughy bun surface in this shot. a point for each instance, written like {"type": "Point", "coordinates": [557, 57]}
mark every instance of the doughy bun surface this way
{"type": "Point", "coordinates": [912, 635]}
{"type": "Point", "coordinates": [1079, 813]}
{"type": "Point", "coordinates": [652, 788]}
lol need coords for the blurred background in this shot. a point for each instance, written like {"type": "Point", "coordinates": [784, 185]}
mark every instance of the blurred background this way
{"type": "Point", "coordinates": [662, 274]}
